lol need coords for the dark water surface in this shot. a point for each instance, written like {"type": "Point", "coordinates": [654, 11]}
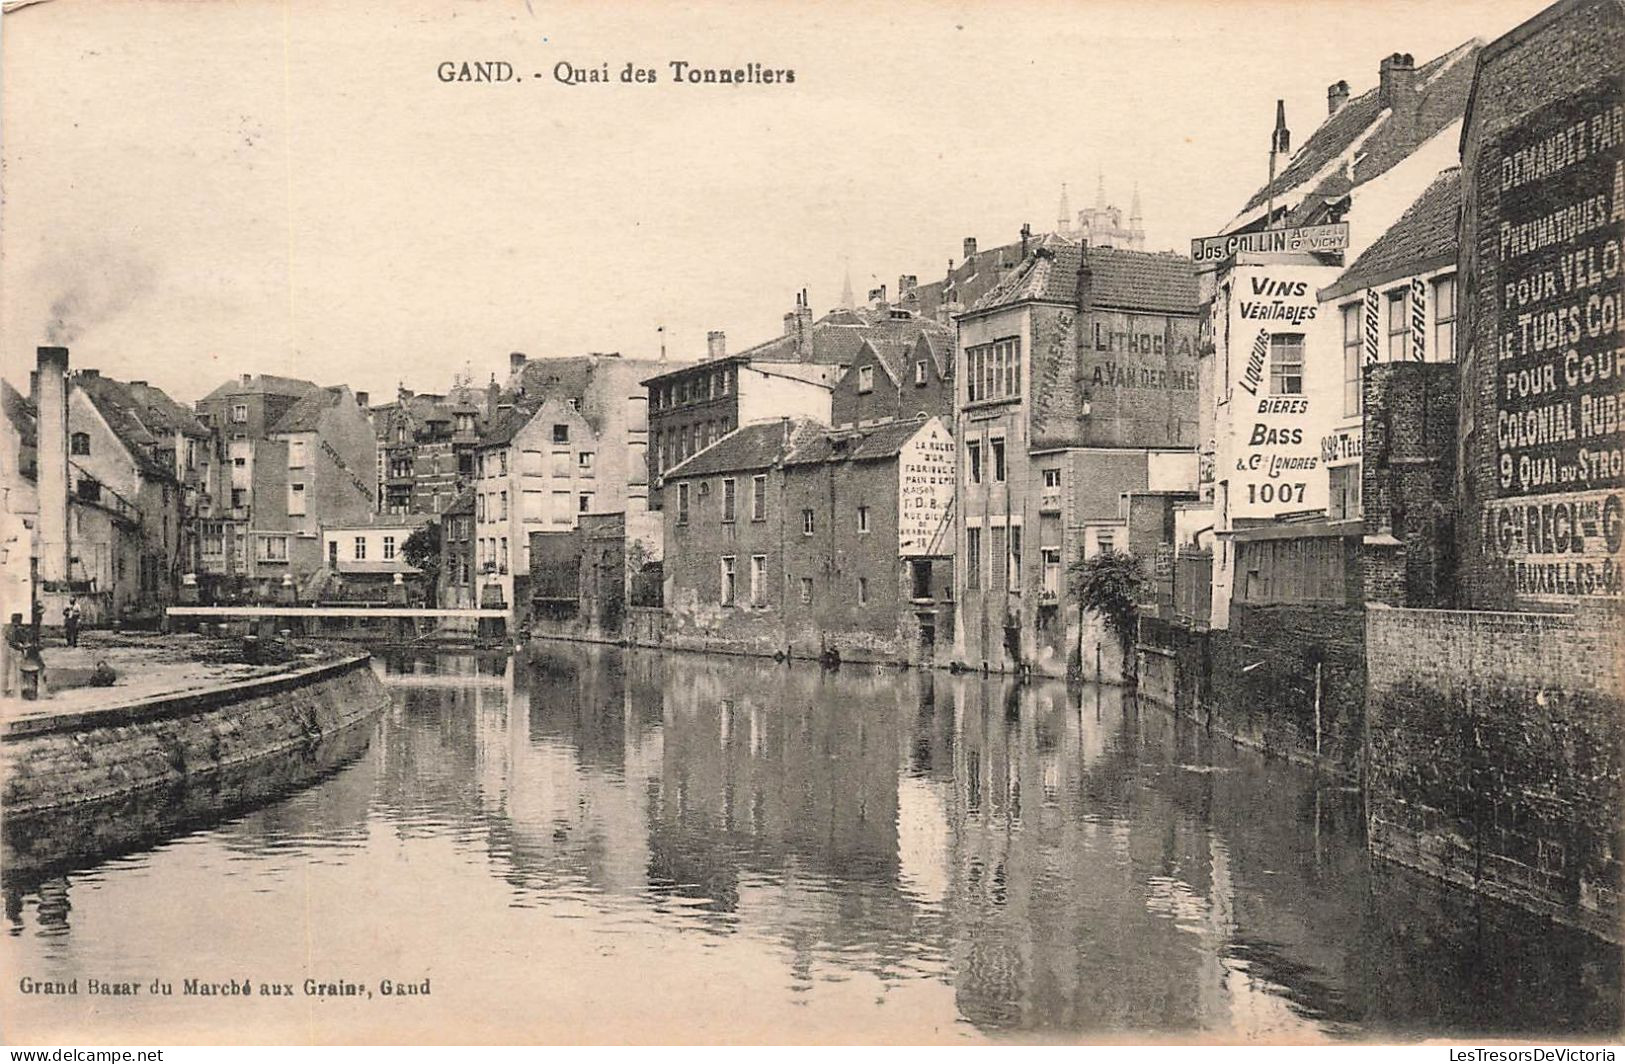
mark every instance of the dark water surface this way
{"type": "Point", "coordinates": [586, 843]}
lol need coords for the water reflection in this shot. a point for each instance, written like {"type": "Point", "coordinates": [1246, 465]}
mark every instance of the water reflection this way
{"type": "Point", "coordinates": [1010, 860]}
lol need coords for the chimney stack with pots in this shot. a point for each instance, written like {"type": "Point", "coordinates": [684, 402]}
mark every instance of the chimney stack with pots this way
{"type": "Point", "coordinates": [716, 344]}
{"type": "Point", "coordinates": [1396, 90]}
{"type": "Point", "coordinates": [970, 248]}
{"type": "Point", "coordinates": [1337, 94]}
{"type": "Point", "coordinates": [51, 403]}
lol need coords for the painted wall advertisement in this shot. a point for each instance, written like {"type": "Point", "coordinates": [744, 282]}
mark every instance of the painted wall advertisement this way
{"type": "Point", "coordinates": [1275, 464]}
{"type": "Point", "coordinates": [1551, 197]}
{"type": "Point", "coordinates": [925, 493]}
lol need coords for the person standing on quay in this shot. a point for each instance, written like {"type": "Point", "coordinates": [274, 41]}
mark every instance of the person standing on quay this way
{"type": "Point", "coordinates": [70, 621]}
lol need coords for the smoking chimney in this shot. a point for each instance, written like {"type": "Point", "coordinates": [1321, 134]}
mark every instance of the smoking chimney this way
{"type": "Point", "coordinates": [1337, 94]}
{"type": "Point", "coordinates": [51, 402]}
{"type": "Point", "coordinates": [970, 247]}
{"type": "Point", "coordinates": [716, 344]}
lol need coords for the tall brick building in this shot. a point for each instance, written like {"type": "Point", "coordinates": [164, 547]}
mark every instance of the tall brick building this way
{"type": "Point", "coordinates": [1542, 474]}
{"type": "Point", "coordinates": [1075, 388]}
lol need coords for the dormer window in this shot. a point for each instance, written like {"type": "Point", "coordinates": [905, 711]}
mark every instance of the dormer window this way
{"type": "Point", "coordinates": [866, 379]}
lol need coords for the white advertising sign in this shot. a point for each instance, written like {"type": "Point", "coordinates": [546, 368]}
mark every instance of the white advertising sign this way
{"type": "Point", "coordinates": [925, 493]}
{"type": "Point", "coordinates": [1275, 464]}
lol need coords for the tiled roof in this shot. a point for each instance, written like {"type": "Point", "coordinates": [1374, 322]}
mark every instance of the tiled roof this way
{"type": "Point", "coordinates": [462, 504]}
{"type": "Point", "coordinates": [306, 414]}
{"type": "Point", "coordinates": [1049, 274]}
{"type": "Point", "coordinates": [507, 423]}
{"type": "Point", "coordinates": [19, 410]}
{"type": "Point", "coordinates": [1423, 239]}
{"type": "Point", "coordinates": [1142, 280]}
{"type": "Point", "coordinates": [837, 337]}
{"type": "Point", "coordinates": [261, 384]}
{"type": "Point", "coordinates": [161, 413]}
{"type": "Point", "coordinates": [118, 408]}
{"type": "Point", "coordinates": [758, 445]}
{"type": "Point", "coordinates": [855, 445]}
{"type": "Point", "coordinates": [1130, 280]}
{"type": "Point", "coordinates": [1359, 127]}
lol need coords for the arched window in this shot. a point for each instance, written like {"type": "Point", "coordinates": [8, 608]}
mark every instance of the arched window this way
{"type": "Point", "coordinates": [79, 443]}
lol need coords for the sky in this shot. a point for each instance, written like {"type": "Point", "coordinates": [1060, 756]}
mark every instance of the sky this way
{"type": "Point", "coordinates": [192, 191]}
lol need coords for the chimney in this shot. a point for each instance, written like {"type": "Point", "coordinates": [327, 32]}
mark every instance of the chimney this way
{"type": "Point", "coordinates": [970, 247]}
{"type": "Point", "coordinates": [516, 362]}
{"type": "Point", "coordinates": [248, 378]}
{"type": "Point", "coordinates": [138, 384]}
{"type": "Point", "coordinates": [51, 402]}
{"type": "Point", "coordinates": [1396, 90]}
{"type": "Point", "coordinates": [716, 344]}
{"type": "Point", "coordinates": [1026, 235]}
{"type": "Point", "coordinates": [88, 374]}
{"type": "Point", "coordinates": [804, 325]}
{"type": "Point", "coordinates": [877, 298]}
{"type": "Point", "coordinates": [361, 400]}
{"type": "Point", "coordinates": [1086, 276]}
{"type": "Point", "coordinates": [906, 283]}
{"type": "Point", "coordinates": [1337, 94]}
{"type": "Point", "coordinates": [1281, 139]}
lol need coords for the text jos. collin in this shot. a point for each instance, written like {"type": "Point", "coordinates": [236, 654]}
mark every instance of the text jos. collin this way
{"type": "Point", "coordinates": [566, 72]}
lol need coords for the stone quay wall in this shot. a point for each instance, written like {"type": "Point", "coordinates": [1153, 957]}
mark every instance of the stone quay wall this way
{"type": "Point", "coordinates": [1493, 755]}
{"type": "Point", "coordinates": [55, 762]}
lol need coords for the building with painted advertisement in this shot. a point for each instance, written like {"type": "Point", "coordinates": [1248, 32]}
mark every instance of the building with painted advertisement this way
{"type": "Point", "coordinates": [1283, 353]}
{"type": "Point", "coordinates": [788, 537]}
{"type": "Point", "coordinates": [1076, 387]}
{"type": "Point", "coordinates": [1542, 466]}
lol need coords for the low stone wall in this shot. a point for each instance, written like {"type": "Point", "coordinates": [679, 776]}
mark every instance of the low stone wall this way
{"type": "Point", "coordinates": [1494, 755]}
{"type": "Point", "coordinates": [1255, 683]}
{"type": "Point", "coordinates": [64, 760]}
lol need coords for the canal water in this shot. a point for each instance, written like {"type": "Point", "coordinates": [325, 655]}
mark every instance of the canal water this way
{"type": "Point", "coordinates": [589, 843]}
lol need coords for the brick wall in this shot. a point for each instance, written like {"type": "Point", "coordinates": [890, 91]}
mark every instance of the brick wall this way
{"type": "Point", "coordinates": [1494, 755]}
{"type": "Point", "coordinates": [1563, 52]}
{"type": "Point", "coordinates": [1407, 477]}
{"type": "Point", "coordinates": [697, 618]}
{"type": "Point", "coordinates": [1261, 687]}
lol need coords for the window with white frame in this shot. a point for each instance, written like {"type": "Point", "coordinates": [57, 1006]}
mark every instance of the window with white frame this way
{"type": "Point", "coordinates": [1286, 364]}
{"type": "Point", "coordinates": [1444, 319]}
{"type": "Point", "coordinates": [993, 371]}
{"type": "Point", "coordinates": [808, 523]}
{"type": "Point", "coordinates": [863, 520]}
{"type": "Point", "coordinates": [728, 579]}
{"type": "Point", "coordinates": [389, 548]}
{"type": "Point", "coordinates": [1399, 325]}
{"type": "Point", "coordinates": [866, 379]}
{"type": "Point", "coordinates": [1344, 500]}
{"type": "Point", "coordinates": [296, 500]}
{"type": "Point", "coordinates": [921, 376]}
{"type": "Point", "coordinates": [359, 548]}
{"type": "Point", "coordinates": [1353, 356]}
{"type": "Point", "coordinates": [758, 497]}
{"type": "Point", "coordinates": [758, 579]}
